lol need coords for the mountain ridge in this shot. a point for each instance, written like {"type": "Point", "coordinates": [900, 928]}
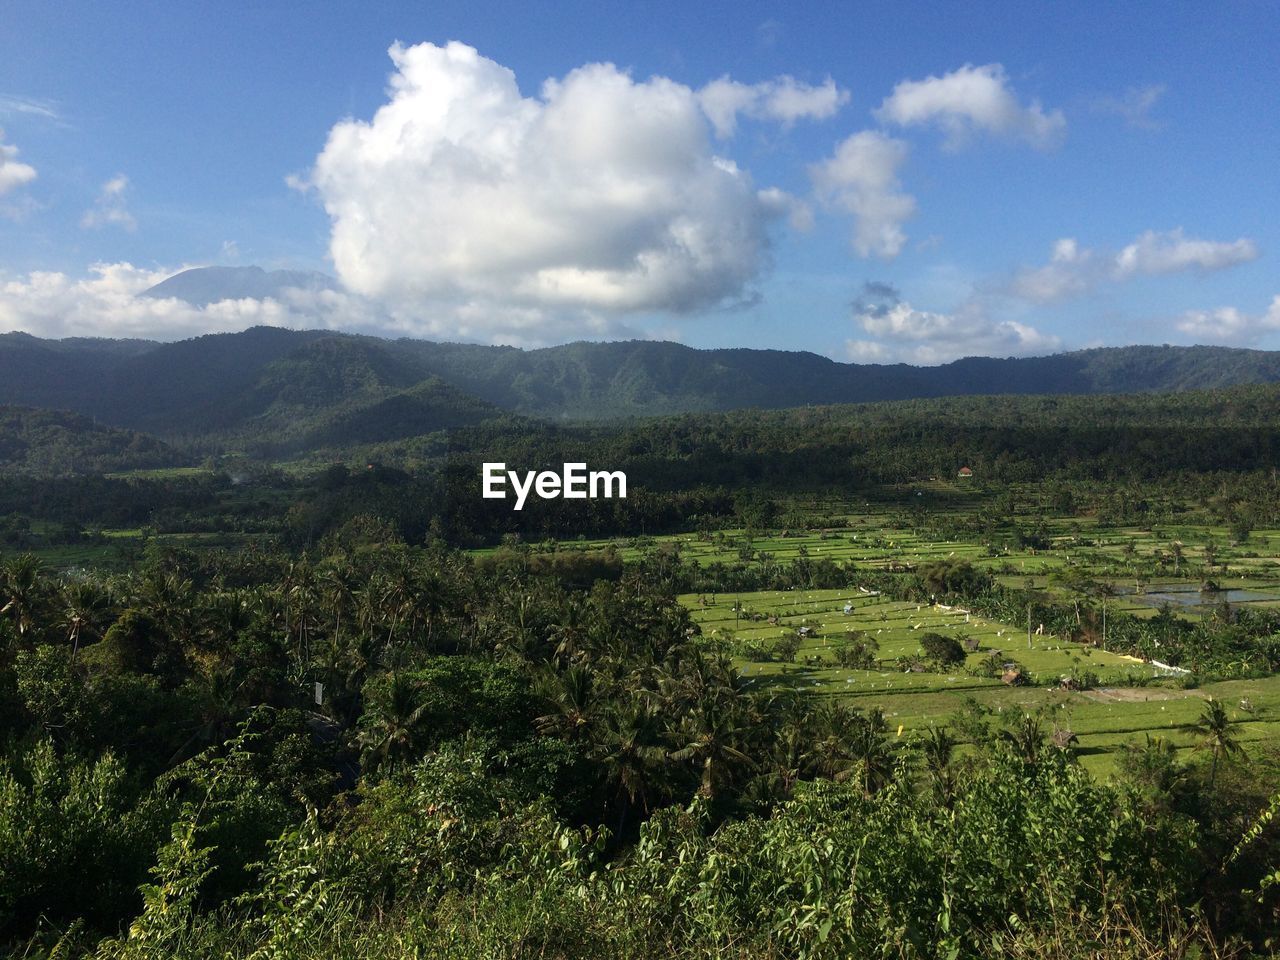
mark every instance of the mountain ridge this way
{"type": "Point", "coordinates": [258, 379]}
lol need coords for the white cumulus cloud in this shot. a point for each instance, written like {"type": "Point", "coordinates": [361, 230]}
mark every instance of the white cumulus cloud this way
{"type": "Point", "coordinates": [105, 303]}
{"type": "Point", "coordinates": [471, 209]}
{"type": "Point", "coordinates": [1173, 252]}
{"type": "Point", "coordinates": [971, 100]}
{"type": "Point", "coordinates": [861, 178]}
{"type": "Point", "coordinates": [784, 99]}
{"type": "Point", "coordinates": [13, 174]}
{"type": "Point", "coordinates": [110, 208]}
{"type": "Point", "coordinates": [1074, 271]}
{"type": "Point", "coordinates": [903, 333]}
{"type": "Point", "coordinates": [1230, 325]}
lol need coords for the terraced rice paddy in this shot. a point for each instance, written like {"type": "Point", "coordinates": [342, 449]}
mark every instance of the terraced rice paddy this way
{"type": "Point", "coordinates": [1104, 718]}
{"type": "Point", "coordinates": [1145, 567]}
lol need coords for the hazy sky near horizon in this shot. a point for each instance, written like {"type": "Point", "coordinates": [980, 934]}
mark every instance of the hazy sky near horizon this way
{"type": "Point", "coordinates": [871, 181]}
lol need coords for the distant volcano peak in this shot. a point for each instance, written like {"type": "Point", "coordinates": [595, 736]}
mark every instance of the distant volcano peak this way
{"type": "Point", "coordinates": [201, 286]}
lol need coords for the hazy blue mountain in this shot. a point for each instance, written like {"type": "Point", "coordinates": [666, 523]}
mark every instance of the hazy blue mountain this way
{"type": "Point", "coordinates": [315, 387]}
{"type": "Point", "coordinates": [202, 286]}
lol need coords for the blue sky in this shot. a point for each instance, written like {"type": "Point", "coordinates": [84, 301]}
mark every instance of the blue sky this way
{"type": "Point", "coordinates": [933, 180]}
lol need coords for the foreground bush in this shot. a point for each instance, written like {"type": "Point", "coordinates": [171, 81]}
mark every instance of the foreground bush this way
{"type": "Point", "coordinates": [1029, 861]}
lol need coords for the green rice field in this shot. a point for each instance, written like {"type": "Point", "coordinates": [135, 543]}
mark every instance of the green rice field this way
{"type": "Point", "coordinates": [1130, 699]}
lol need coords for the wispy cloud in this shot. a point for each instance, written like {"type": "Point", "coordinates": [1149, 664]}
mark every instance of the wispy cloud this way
{"type": "Point", "coordinates": [861, 178]}
{"type": "Point", "coordinates": [1074, 271]}
{"type": "Point", "coordinates": [110, 209]}
{"type": "Point", "coordinates": [969, 101]}
{"type": "Point", "coordinates": [768, 33]}
{"type": "Point", "coordinates": [784, 99]}
{"type": "Point", "coordinates": [12, 105]}
{"type": "Point", "coordinates": [1133, 106]}
{"type": "Point", "coordinates": [1173, 252]}
{"type": "Point", "coordinates": [13, 174]}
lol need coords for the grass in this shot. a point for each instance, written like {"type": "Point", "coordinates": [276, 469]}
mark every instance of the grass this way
{"type": "Point", "coordinates": [1135, 560]}
{"type": "Point", "coordinates": [1131, 699]}
{"type": "Point", "coordinates": [160, 473]}
{"type": "Point", "coordinates": [117, 548]}
{"type": "Point", "coordinates": [1104, 718]}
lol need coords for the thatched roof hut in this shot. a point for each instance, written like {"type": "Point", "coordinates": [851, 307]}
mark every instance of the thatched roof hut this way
{"type": "Point", "coordinates": [1013, 677]}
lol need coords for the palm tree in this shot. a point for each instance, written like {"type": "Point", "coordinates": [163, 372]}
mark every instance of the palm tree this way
{"type": "Point", "coordinates": [24, 593]}
{"type": "Point", "coordinates": [830, 754]}
{"type": "Point", "coordinates": [569, 631]}
{"type": "Point", "coordinates": [338, 586]}
{"type": "Point", "coordinates": [300, 594]}
{"type": "Point", "coordinates": [570, 703]}
{"type": "Point", "coordinates": [1104, 590]}
{"type": "Point", "coordinates": [394, 722]}
{"type": "Point", "coordinates": [682, 680]}
{"type": "Point", "coordinates": [85, 606]}
{"type": "Point", "coordinates": [937, 746]}
{"type": "Point", "coordinates": [1214, 730]}
{"type": "Point", "coordinates": [1153, 766]}
{"type": "Point", "coordinates": [790, 749]}
{"type": "Point", "coordinates": [436, 594]}
{"type": "Point", "coordinates": [218, 708]}
{"type": "Point", "coordinates": [397, 597]}
{"type": "Point", "coordinates": [872, 747]}
{"type": "Point", "coordinates": [629, 751]}
{"type": "Point", "coordinates": [710, 739]}
{"type": "Point", "coordinates": [170, 599]}
{"type": "Point", "coordinates": [1075, 581]}
{"type": "Point", "coordinates": [368, 610]}
{"type": "Point", "coordinates": [848, 743]}
{"type": "Point", "coordinates": [1026, 738]}
{"type": "Point", "coordinates": [517, 632]}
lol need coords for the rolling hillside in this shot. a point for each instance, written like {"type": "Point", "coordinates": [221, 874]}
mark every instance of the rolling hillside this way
{"type": "Point", "coordinates": [50, 442]}
{"type": "Point", "coordinates": [271, 383]}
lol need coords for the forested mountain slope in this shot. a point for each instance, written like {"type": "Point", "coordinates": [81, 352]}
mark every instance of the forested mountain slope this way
{"type": "Point", "coordinates": [240, 384]}
{"type": "Point", "coordinates": [51, 442]}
